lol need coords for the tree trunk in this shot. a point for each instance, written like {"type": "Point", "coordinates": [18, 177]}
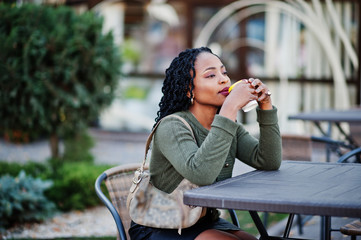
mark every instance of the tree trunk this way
{"type": "Point", "coordinates": [54, 145]}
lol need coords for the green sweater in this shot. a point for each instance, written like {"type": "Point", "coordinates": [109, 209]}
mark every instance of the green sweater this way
{"type": "Point", "coordinates": [176, 155]}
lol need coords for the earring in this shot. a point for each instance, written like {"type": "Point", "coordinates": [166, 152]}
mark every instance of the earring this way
{"type": "Point", "coordinates": [192, 100]}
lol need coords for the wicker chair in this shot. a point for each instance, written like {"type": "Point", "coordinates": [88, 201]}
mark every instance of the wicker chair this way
{"type": "Point", "coordinates": [118, 181]}
{"type": "Point", "coordinates": [352, 229]}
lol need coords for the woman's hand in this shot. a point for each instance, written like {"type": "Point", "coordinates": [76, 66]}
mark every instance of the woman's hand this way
{"type": "Point", "coordinates": [241, 94]}
{"type": "Point", "coordinates": [262, 92]}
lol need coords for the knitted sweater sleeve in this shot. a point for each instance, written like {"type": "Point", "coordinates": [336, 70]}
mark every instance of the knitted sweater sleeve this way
{"type": "Point", "coordinates": [265, 153]}
{"type": "Point", "coordinates": [199, 164]}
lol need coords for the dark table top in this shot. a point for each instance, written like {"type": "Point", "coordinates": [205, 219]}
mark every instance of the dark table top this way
{"type": "Point", "coordinates": [326, 189]}
{"type": "Point", "coordinates": [351, 115]}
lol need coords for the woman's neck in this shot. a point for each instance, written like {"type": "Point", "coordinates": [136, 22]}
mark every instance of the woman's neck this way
{"type": "Point", "coordinates": [204, 116]}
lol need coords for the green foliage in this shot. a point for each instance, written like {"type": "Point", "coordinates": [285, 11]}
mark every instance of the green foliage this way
{"type": "Point", "coordinates": [248, 225]}
{"type": "Point", "coordinates": [57, 70]}
{"type": "Point", "coordinates": [135, 92]}
{"type": "Point", "coordinates": [22, 199]}
{"type": "Point", "coordinates": [73, 182]}
{"type": "Point", "coordinates": [73, 177]}
{"type": "Point", "coordinates": [33, 169]}
{"type": "Point", "coordinates": [77, 148]}
{"type": "Point", "coordinates": [130, 51]}
{"type": "Point", "coordinates": [74, 185]}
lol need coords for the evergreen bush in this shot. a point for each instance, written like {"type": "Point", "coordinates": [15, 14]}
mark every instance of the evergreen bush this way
{"type": "Point", "coordinates": [74, 185]}
{"type": "Point", "coordinates": [57, 71]}
{"type": "Point", "coordinates": [77, 148]}
{"type": "Point", "coordinates": [34, 169]}
{"type": "Point", "coordinates": [22, 199]}
{"type": "Point", "coordinates": [73, 182]}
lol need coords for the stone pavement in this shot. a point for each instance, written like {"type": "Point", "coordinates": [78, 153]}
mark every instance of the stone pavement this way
{"type": "Point", "coordinates": [113, 148]}
{"type": "Point", "coordinates": [311, 229]}
{"type": "Point", "coordinates": [110, 148]}
{"type": "Point", "coordinates": [93, 222]}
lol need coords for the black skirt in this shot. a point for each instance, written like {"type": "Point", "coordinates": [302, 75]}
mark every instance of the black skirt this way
{"type": "Point", "coordinates": [140, 232]}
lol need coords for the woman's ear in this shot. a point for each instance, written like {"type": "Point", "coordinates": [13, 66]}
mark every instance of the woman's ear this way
{"type": "Point", "coordinates": [188, 94]}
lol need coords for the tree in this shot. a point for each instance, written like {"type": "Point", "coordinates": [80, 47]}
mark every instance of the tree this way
{"type": "Point", "coordinates": [57, 70]}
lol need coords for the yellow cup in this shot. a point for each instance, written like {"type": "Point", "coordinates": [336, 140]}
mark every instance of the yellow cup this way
{"type": "Point", "coordinates": [250, 105]}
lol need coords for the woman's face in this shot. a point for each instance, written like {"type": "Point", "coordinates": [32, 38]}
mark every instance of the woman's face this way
{"type": "Point", "coordinates": [211, 78]}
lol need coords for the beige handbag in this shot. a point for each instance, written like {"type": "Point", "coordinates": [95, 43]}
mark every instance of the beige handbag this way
{"type": "Point", "coordinates": [152, 207]}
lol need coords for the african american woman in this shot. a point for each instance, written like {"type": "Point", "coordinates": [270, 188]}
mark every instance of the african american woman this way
{"type": "Point", "coordinates": [196, 88]}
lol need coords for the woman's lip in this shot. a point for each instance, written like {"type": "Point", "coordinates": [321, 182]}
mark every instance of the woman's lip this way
{"type": "Point", "coordinates": [224, 91]}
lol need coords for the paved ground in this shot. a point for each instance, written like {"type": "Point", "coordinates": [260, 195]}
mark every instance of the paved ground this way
{"type": "Point", "coordinates": [312, 229]}
{"type": "Point", "coordinates": [93, 222]}
{"type": "Point", "coordinates": [112, 148]}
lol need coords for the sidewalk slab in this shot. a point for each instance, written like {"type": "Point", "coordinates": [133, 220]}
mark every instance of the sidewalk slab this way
{"type": "Point", "coordinates": [312, 228]}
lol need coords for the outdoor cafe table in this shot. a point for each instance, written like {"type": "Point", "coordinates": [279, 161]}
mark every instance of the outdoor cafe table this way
{"type": "Point", "coordinates": [332, 117]}
{"type": "Point", "coordinates": [312, 188]}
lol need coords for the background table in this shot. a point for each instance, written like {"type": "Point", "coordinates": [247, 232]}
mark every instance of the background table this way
{"type": "Point", "coordinates": [332, 117]}
{"type": "Point", "coordinates": [325, 189]}
{"type": "Point", "coordinates": [351, 115]}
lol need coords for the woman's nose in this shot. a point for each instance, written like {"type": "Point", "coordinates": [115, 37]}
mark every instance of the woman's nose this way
{"type": "Point", "coordinates": [224, 79]}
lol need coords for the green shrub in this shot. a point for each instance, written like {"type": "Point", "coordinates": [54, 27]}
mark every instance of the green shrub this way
{"type": "Point", "coordinates": [74, 185]}
{"type": "Point", "coordinates": [73, 182]}
{"type": "Point", "coordinates": [34, 169]}
{"type": "Point", "coordinates": [22, 199]}
{"type": "Point", "coordinates": [77, 148]}
{"type": "Point", "coordinates": [58, 71]}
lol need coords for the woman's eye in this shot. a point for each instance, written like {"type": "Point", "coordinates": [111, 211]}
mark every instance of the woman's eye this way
{"type": "Point", "coordinates": [225, 73]}
{"type": "Point", "coordinates": [211, 76]}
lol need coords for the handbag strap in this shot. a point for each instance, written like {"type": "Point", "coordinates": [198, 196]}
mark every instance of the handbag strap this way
{"type": "Point", "coordinates": [149, 139]}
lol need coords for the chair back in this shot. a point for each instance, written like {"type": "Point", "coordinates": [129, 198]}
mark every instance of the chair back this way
{"type": "Point", "coordinates": [118, 181]}
{"type": "Point", "coordinates": [356, 153]}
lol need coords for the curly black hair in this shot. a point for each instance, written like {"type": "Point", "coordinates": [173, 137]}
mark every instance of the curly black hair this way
{"type": "Point", "coordinates": [178, 82]}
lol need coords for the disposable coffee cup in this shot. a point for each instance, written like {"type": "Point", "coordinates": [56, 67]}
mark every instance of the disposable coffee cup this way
{"type": "Point", "coordinates": [250, 106]}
